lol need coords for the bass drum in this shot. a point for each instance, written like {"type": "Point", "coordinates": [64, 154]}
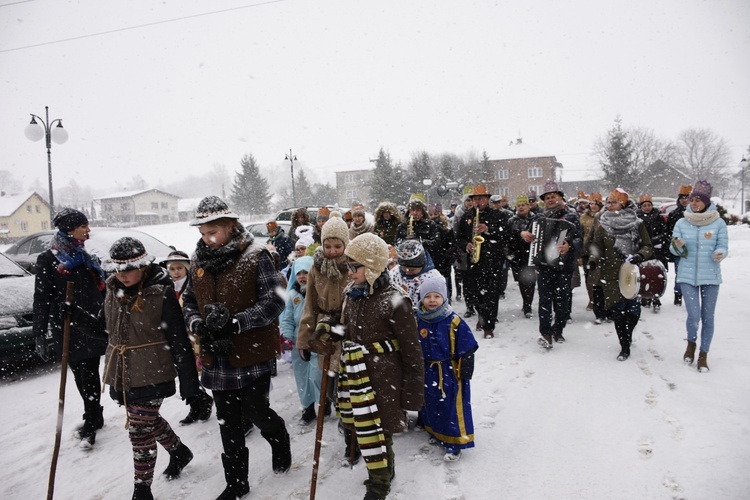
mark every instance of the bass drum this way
{"type": "Point", "coordinates": [649, 280]}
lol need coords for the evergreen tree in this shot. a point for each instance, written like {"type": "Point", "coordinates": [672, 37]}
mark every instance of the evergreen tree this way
{"type": "Point", "coordinates": [420, 169]}
{"type": "Point", "coordinates": [325, 194]}
{"type": "Point", "coordinates": [383, 182]}
{"type": "Point", "coordinates": [303, 190]}
{"type": "Point", "coordinates": [616, 159]}
{"type": "Point", "coordinates": [250, 189]}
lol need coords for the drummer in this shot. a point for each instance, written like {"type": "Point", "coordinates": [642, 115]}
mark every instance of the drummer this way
{"type": "Point", "coordinates": [620, 237]}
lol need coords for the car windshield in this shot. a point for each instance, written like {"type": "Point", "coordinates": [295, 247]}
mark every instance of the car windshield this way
{"type": "Point", "coordinates": [10, 268]}
{"type": "Point", "coordinates": [102, 239]}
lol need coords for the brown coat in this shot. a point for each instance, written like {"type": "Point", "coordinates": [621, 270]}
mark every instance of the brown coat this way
{"type": "Point", "coordinates": [397, 377]}
{"type": "Point", "coordinates": [323, 299]}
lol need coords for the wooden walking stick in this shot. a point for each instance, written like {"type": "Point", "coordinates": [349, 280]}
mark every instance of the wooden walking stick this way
{"type": "Point", "coordinates": [319, 427]}
{"type": "Point", "coordinates": [61, 398]}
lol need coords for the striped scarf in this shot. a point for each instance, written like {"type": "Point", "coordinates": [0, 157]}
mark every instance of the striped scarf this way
{"type": "Point", "coordinates": [356, 400]}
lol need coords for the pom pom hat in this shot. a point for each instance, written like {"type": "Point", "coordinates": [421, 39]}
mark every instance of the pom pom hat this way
{"type": "Point", "coordinates": [371, 251]}
{"type": "Point", "coordinates": [127, 254]}
{"type": "Point", "coordinates": [67, 219]}
{"type": "Point", "coordinates": [212, 208]}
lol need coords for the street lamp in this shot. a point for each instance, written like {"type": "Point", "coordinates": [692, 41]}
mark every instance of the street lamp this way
{"type": "Point", "coordinates": [742, 165]}
{"type": "Point", "coordinates": [34, 132]}
{"type": "Point", "coordinates": [291, 159]}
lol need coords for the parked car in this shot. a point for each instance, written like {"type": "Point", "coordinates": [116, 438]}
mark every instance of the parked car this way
{"type": "Point", "coordinates": [259, 230]}
{"type": "Point", "coordinates": [26, 251]}
{"type": "Point", "coordinates": [16, 313]}
{"type": "Point", "coordinates": [286, 214]}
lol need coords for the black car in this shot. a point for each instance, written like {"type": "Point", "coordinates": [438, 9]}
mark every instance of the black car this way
{"type": "Point", "coordinates": [16, 313]}
{"type": "Point", "coordinates": [25, 251]}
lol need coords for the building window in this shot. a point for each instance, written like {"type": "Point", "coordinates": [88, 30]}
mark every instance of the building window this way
{"type": "Point", "coordinates": [502, 174]}
{"type": "Point", "coordinates": [38, 210]}
{"type": "Point", "coordinates": [44, 225]}
{"type": "Point", "coordinates": [535, 172]}
{"type": "Point", "coordinates": [537, 189]}
{"type": "Point", "coordinates": [164, 204]}
{"type": "Point", "coordinates": [4, 226]}
{"type": "Point", "coordinates": [124, 206]}
{"type": "Point", "coordinates": [154, 205]}
{"type": "Point", "coordinates": [28, 208]}
{"type": "Point", "coordinates": [24, 226]}
{"type": "Point", "coordinates": [351, 194]}
{"type": "Point", "coordinates": [350, 178]}
{"type": "Point", "coordinates": [503, 191]}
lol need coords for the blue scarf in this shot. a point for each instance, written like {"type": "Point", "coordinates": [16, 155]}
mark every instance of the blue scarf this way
{"type": "Point", "coordinates": [436, 315]}
{"type": "Point", "coordinates": [363, 290]}
{"type": "Point", "coordinates": [70, 253]}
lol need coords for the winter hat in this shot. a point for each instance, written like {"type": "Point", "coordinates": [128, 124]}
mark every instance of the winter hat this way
{"type": "Point", "coordinates": [411, 254]}
{"type": "Point", "coordinates": [126, 254]}
{"type": "Point", "coordinates": [531, 195]}
{"type": "Point", "coordinates": [212, 208]}
{"type": "Point", "coordinates": [68, 219]}
{"type": "Point", "coordinates": [335, 227]}
{"type": "Point", "coordinates": [454, 203]}
{"type": "Point", "coordinates": [582, 196]}
{"type": "Point", "coordinates": [495, 198]}
{"type": "Point", "coordinates": [433, 283]}
{"type": "Point", "coordinates": [618, 194]}
{"type": "Point", "coordinates": [358, 209]}
{"type": "Point", "coordinates": [301, 264]}
{"type": "Point", "coordinates": [645, 198]}
{"type": "Point", "coordinates": [684, 191]}
{"type": "Point", "coordinates": [435, 208]}
{"type": "Point", "coordinates": [176, 256]}
{"type": "Point", "coordinates": [305, 240]}
{"type": "Point", "coordinates": [323, 213]}
{"type": "Point", "coordinates": [371, 251]}
{"type": "Point", "coordinates": [551, 187]}
{"type": "Point", "coordinates": [522, 199]}
{"type": "Point", "coordinates": [702, 190]}
{"type": "Point", "coordinates": [303, 230]}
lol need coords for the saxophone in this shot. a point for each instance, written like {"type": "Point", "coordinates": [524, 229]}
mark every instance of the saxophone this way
{"type": "Point", "coordinates": [477, 239]}
{"type": "Point", "coordinates": [410, 228]}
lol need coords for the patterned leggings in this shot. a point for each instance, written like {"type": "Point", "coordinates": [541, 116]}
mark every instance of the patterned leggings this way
{"type": "Point", "coordinates": [146, 428]}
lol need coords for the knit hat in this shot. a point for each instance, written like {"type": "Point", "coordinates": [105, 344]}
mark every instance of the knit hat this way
{"type": "Point", "coordinates": [323, 213]}
{"type": "Point", "coordinates": [551, 187]}
{"type": "Point", "coordinates": [335, 227]}
{"type": "Point", "coordinates": [702, 190]}
{"type": "Point", "coordinates": [582, 196]}
{"type": "Point", "coordinates": [411, 254]}
{"type": "Point", "coordinates": [212, 208]}
{"type": "Point", "coordinates": [645, 198]}
{"type": "Point", "coordinates": [684, 191]}
{"type": "Point", "coordinates": [371, 251]}
{"type": "Point", "coordinates": [522, 199]}
{"type": "Point", "coordinates": [126, 254]}
{"type": "Point", "coordinates": [618, 194]}
{"type": "Point", "coordinates": [302, 264]}
{"type": "Point", "coordinates": [436, 208]}
{"type": "Point", "coordinates": [433, 283]}
{"type": "Point", "coordinates": [358, 209]}
{"type": "Point", "coordinates": [68, 219]}
{"type": "Point", "coordinates": [176, 256]}
{"type": "Point", "coordinates": [479, 190]}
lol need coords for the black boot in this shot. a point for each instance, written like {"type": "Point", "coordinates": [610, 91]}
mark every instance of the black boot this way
{"type": "Point", "coordinates": [179, 457]}
{"type": "Point", "coordinates": [348, 458]}
{"type": "Point", "coordinates": [308, 415]}
{"type": "Point", "coordinates": [93, 419]}
{"type": "Point", "coordinates": [235, 473]}
{"type": "Point", "coordinates": [142, 491]}
{"type": "Point", "coordinates": [200, 408]}
{"type": "Point", "coordinates": [281, 451]}
{"type": "Point", "coordinates": [678, 299]}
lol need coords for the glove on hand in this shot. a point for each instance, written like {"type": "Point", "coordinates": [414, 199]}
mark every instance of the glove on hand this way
{"type": "Point", "coordinates": [44, 349]}
{"type": "Point", "coordinates": [205, 336]}
{"type": "Point", "coordinates": [304, 354]}
{"type": "Point", "coordinates": [324, 337]}
{"type": "Point", "coordinates": [592, 265]}
{"type": "Point", "coordinates": [636, 259]}
{"type": "Point", "coordinates": [220, 321]}
{"type": "Point", "coordinates": [467, 367]}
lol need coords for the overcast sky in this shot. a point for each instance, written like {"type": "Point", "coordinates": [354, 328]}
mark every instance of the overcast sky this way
{"type": "Point", "coordinates": [170, 88]}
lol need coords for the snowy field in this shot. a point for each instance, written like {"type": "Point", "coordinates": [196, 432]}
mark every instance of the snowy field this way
{"type": "Point", "coordinates": [572, 423]}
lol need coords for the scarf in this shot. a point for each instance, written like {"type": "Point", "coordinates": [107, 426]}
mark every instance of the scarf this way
{"type": "Point", "coordinates": [701, 218]}
{"type": "Point", "coordinates": [622, 225]}
{"type": "Point", "coordinates": [436, 315]}
{"type": "Point", "coordinates": [363, 289]}
{"type": "Point", "coordinates": [70, 254]}
{"type": "Point", "coordinates": [216, 260]}
{"type": "Point", "coordinates": [554, 213]}
{"type": "Point", "coordinates": [330, 268]}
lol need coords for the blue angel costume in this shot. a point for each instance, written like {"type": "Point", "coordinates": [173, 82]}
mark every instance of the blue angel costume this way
{"type": "Point", "coordinates": [448, 347]}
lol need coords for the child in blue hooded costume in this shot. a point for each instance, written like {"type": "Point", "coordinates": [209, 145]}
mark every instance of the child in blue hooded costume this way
{"type": "Point", "coordinates": [448, 347]}
{"type": "Point", "coordinates": [307, 374]}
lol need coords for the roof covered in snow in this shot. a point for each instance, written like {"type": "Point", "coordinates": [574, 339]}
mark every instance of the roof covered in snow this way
{"type": "Point", "coordinates": [519, 149]}
{"type": "Point", "coordinates": [130, 194]}
{"type": "Point", "coordinates": [9, 203]}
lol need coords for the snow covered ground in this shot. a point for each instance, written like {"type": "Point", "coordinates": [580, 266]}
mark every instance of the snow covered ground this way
{"type": "Point", "coordinates": [572, 423]}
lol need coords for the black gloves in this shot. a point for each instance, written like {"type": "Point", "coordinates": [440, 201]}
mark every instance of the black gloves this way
{"type": "Point", "coordinates": [304, 354]}
{"type": "Point", "coordinates": [220, 321]}
{"type": "Point", "coordinates": [44, 349]}
{"type": "Point", "coordinates": [636, 259]}
{"type": "Point", "coordinates": [592, 265]}
{"type": "Point", "coordinates": [324, 337]}
{"type": "Point", "coordinates": [467, 367]}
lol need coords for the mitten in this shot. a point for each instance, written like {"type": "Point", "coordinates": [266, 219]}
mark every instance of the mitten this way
{"type": "Point", "coordinates": [304, 354]}
{"type": "Point", "coordinates": [220, 321]}
{"type": "Point", "coordinates": [467, 367]}
{"type": "Point", "coordinates": [592, 265]}
{"type": "Point", "coordinates": [635, 259]}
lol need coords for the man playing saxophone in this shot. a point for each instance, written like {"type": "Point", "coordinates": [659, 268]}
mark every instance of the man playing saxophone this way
{"type": "Point", "coordinates": [488, 229]}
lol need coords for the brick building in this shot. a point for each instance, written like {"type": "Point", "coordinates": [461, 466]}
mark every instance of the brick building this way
{"type": "Point", "coordinates": [520, 168]}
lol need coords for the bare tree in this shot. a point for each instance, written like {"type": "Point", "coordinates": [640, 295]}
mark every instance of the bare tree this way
{"type": "Point", "coordinates": [704, 155]}
{"type": "Point", "coordinates": [8, 183]}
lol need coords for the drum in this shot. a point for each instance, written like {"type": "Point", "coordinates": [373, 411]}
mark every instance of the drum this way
{"type": "Point", "coordinates": [649, 280]}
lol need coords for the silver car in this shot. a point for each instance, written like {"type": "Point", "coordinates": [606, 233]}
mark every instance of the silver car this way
{"type": "Point", "coordinates": [16, 313]}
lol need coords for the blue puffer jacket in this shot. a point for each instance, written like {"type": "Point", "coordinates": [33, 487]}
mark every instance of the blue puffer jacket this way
{"type": "Point", "coordinates": [699, 268]}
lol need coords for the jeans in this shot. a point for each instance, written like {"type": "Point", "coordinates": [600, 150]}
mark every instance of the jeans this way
{"type": "Point", "coordinates": [700, 302]}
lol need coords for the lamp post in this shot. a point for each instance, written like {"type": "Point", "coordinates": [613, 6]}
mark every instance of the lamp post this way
{"type": "Point", "coordinates": [291, 159]}
{"type": "Point", "coordinates": [34, 132]}
{"type": "Point", "coordinates": [743, 164]}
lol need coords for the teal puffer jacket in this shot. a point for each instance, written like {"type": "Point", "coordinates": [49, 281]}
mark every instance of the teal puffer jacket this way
{"type": "Point", "coordinates": [702, 242]}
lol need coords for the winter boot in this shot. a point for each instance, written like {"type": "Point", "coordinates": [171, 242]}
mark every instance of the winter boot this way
{"type": "Point", "coordinates": [624, 353]}
{"type": "Point", "coordinates": [350, 440]}
{"type": "Point", "coordinates": [93, 420]}
{"type": "Point", "coordinates": [142, 491]}
{"type": "Point", "coordinates": [235, 473]}
{"type": "Point", "coordinates": [558, 337]}
{"type": "Point", "coordinates": [281, 451]}
{"type": "Point", "coordinates": [308, 415]}
{"type": "Point", "coordinates": [657, 306]}
{"type": "Point", "coordinates": [703, 362]}
{"type": "Point", "coordinates": [678, 299]}
{"type": "Point", "coordinates": [489, 334]}
{"type": "Point", "coordinates": [179, 457]}
{"type": "Point", "coordinates": [200, 408]}
{"type": "Point", "coordinates": [327, 409]}
{"type": "Point", "coordinates": [545, 341]}
{"type": "Point", "coordinates": [689, 355]}
{"type": "Point", "coordinates": [247, 426]}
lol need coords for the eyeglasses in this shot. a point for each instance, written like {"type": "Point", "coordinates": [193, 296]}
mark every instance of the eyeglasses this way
{"type": "Point", "coordinates": [353, 268]}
